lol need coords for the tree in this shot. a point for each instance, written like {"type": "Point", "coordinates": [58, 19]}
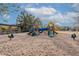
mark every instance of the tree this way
{"type": "Point", "coordinates": [26, 20]}
{"type": "Point", "coordinates": [7, 8]}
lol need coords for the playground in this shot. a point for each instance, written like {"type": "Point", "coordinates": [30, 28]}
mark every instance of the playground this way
{"type": "Point", "coordinates": [34, 30]}
{"type": "Point", "coordinates": [42, 45]}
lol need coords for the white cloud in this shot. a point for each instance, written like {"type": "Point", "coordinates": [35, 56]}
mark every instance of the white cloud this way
{"type": "Point", "coordinates": [42, 10]}
{"type": "Point", "coordinates": [75, 6]}
{"type": "Point", "coordinates": [59, 18]}
{"type": "Point", "coordinates": [6, 16]}
{"type": "Point", "coordinates": [72, 14]}
{"type": "Point", "coordinates": [54, 15]}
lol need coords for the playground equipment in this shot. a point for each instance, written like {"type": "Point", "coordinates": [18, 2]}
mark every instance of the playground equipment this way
{"type": "Point", "coordinates": [42, 29]}
{"type": "Point", "coordinates": [73, 36]}
{"type": "Point", "coordinates": [51, 29]}
{"type": "Point", "coordinates": [50, 24]}
{"type": "Point", "coordinates": [33, 31]}
{"type": "Point", "coordinates": [11, 36]}
{"type": "Point", "coordinates": [36, 30]}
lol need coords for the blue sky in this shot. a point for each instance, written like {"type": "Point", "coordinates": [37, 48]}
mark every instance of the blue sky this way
{"type": "Point", "coordinates": [60, 13]}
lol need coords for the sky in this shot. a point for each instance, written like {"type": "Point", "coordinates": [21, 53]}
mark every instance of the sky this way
{"type": "Point", "coordinates": [61, 13]}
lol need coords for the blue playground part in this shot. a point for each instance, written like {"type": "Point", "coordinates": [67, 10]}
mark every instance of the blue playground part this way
{"type": "Point", "coordinates": [43, 29]}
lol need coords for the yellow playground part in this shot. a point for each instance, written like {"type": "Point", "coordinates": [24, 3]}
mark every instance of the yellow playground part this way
{"type": "Point", "coordinates": [55, 27]}
{"type": "Point", "coordinates": [50, 24]}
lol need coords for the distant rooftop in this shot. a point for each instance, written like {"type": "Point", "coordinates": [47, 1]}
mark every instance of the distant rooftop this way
{"type": "Point", "coordinates": [8, 24]}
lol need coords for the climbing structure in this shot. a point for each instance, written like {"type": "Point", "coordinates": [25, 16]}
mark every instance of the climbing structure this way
{"type": "Point", "coordinates": [51, 29]}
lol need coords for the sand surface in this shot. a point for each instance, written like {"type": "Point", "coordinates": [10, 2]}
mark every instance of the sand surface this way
{"type": "Point", "coordinates": [42, 45]}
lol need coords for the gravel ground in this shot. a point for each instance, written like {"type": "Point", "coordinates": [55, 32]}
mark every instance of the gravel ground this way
{"type": "Point", "coordinates": [24, 45]}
